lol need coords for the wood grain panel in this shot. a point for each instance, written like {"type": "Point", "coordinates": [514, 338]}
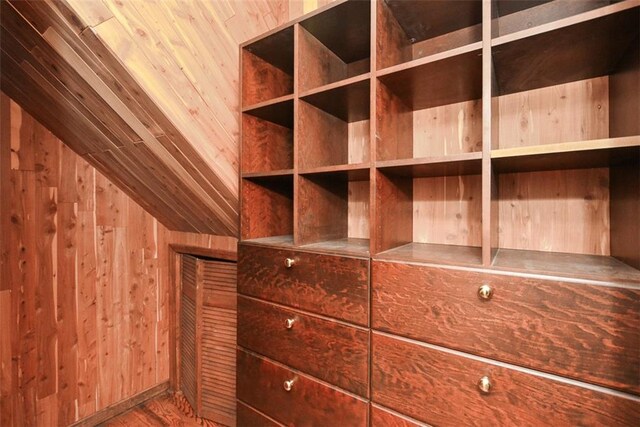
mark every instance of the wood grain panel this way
{"type": "Point", "coordinates": [328, 350]}
{"type": "Point", "coordinates": [94, 331]}
{"type": "Point", "coordinates": [448, 129]}
{"type": "Point", "coordinates": [318, 64]}
{"type": "Point", "coordinates": [441, 388]}
{"type": "Point", "coordinates": [262, 81]}
{"type": "Point", "coordinates": [588, 332]}
{"type": "Point", "coordinates": [557, 211]}
{"type": "Point", "coordinates": [448, 210]}
{"type": "Point", "coordinates": [260, 384]}
{"type": "Point", "coordinates": [322, 138]}
{"type": "Point", "coordinates": [329, 285]}
{"type": "Point", "coordinates": [267, 146]}
{"type": "Point", "coordinates": [575, 111]}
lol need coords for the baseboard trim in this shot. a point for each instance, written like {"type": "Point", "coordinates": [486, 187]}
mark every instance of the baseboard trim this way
{"type": "Point", "coordinates": [122, 406]}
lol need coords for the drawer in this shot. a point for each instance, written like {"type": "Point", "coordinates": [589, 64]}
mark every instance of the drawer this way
{"type": "Point", "coordinates": [248, 416]}
{"type": "Point", "coordinates": [335, 286]}
{"type": "Point", "coordinates": [261, 384]}
{"type": "Point", "coordinates": [381, 417]}
{"type": "Point", "coordinates": [329, 350]}
{"type": "Point", "coordinates": [584, 331]}
{"type": "Point", "coordinates": [442, 388]}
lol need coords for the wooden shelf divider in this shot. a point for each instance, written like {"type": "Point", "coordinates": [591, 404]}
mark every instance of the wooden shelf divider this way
{"type": "Point", "coordinates": [443, 132]}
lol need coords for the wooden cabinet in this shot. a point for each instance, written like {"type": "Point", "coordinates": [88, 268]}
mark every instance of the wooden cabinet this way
{"type": "Point", "coordinates": [331, 351]}
{"type": "Point", "coordinates": [334, 286]}
{"type": "Point", "coordinates": [461, 181]}
{"type": "Point", "coordinates": [444, 388]}
{"type": "Point", "coordinates": [293, 398]}
{"type": "Point", "coordinates": [585, 331]}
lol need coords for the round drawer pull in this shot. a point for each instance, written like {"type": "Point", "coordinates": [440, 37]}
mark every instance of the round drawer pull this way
{"type": "Point", "coordinates": [484, 385]}
{"type": "Point", "coordinates": [289, 323]}
{"type": "Point", "coordinates": [288, 385]}
{"type": "Point", "coordinates": [289, 262]}
{"type": "Point", "coordinates": [485, 292]}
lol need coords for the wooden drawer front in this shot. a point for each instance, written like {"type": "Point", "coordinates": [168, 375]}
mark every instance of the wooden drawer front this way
{"type": "Point", "coordinates": [249, 417]}
{"type": "Point", "coordinates": [383, 418]}
{"type": "Point", "coordinates": [308, 403]}
{"type": "Point", "coordinates": [441, 388]}
{"type": "Point", "coordinates": [334, 286]}
{"type": "Point", "coordinates": [587, 332]}
{"type": "Point", "coordinates": [328, 350]}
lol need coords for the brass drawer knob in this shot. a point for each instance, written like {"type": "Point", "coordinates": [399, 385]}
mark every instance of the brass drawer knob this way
{"type": "Point", "coordinates": [485, 292]}
{"type": "Point", "coordinates": [289, 262]}
{"type": "Point", "coordinates": [289, 323]}
{"type": "Point", "coordinates": [484, 385]}
{"type": "Point", "coordinates": [288, 385]}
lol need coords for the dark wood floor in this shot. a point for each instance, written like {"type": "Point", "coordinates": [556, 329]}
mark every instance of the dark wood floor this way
{"type": "Point", "coordinates": [165, 410]}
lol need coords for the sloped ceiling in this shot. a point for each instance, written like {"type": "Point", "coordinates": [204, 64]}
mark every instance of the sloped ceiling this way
{"type": "Point", "coordinates": [145, 90]}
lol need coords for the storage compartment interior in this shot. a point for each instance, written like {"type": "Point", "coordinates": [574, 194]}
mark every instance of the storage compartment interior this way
{"type": "Point", "coordinates": [267, 208]}
{"type": "Point", "coordinates": [334, 45]}
{"type": "Point", "coordinates": [267, 139]}
{"type": "Point", "coordinates": [431, 110]}
{"type": "Point", "coordinates": [333, 211]}
{"type": "Point", "coordinates": [510, 16]}
{"type": "Point", "coordinates": [567, 116]}
{"type": "Point", "coordinates": [423, 217]}
{"type": "Point", "coordinates": [334, 127]}
{"type": "Point", "coordinates": [267, 68]}
{"type": "Point", "coordinates": [412, 29]}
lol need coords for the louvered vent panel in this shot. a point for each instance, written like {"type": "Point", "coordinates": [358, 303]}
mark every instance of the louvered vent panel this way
{"type": "Point", "coordinates": [188, 373]}
{"type": "Point", "coordinates": [219, 342]}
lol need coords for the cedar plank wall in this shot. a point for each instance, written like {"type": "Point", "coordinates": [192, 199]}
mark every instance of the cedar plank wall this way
{"type": "Point", "coordinates": [84, 282]}
{"type": "Point", "coordinates": [40, 385]}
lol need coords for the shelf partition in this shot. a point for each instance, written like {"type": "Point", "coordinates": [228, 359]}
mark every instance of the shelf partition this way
{"type": "Point", "coordinates": [477, 123]}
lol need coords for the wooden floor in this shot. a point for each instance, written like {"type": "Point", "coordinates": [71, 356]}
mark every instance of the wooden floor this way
{"type": "Point", "coordinates": [165, 410]}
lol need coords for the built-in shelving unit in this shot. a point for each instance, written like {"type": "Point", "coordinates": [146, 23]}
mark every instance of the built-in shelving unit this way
{"type": "Point", "coordinates": [393, 128]}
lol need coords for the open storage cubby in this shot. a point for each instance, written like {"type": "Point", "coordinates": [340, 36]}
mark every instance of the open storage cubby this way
{"type": "Point", "coordinates": [511, 16]}
{"type": "Point", "coordinates": [409, 30]}
{"type": "Point", "coordinates": [424, 216]}
{"type": "Point", "coordinates": [554, 188]}
{"type": "Point", "coordinates": [267, 139]}
{"type": "Point", "coordinates": [567, 153]}
{"type": "Point", "coordinates": [333, 211]}
{"type": "Point", "coordinates": [267, 68]}
{"type": "Point", "coordinates": [334, 45]}
{"type": "Point", "coordinates": [431, 110]}
{"type": "Point", "coordinates": [267, 208]}
{"type": "Point", "coordinates": [333, 127]}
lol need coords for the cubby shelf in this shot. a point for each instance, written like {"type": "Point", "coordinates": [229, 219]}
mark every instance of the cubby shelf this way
{"type": "Point", "coordinates": [354, 172]}
{"type": "Point", "coordinates": [347, 100]}
{"type": "Point", "coordinates": [542, 175]}
{"type": "Point", "coordinates": [411, 30]}
{"type": "Point", "coordinates": [277, 110]}
{"type": "Point", "coordinates": [456, 164]}
{"type": "Point", "coordinates": [334, 45]}
{"type": "Point", "coordinates": [583, 266]}
{"type": "Point", "coordinates": [596, 153]}
{"type": "Point", "coordinates": [435, 253]}
{"type": "Point", "coordinates": [580, 47]}
{"type": "Point", "coordinates": [267, 68]}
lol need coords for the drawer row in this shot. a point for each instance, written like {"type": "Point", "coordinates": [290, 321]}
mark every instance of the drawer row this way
{"type": "Point", "coordinates": [429, 384]}
{"type": "Point", "coordinates": [581, 330]}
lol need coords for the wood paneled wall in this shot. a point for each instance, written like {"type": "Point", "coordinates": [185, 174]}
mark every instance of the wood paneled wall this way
{"type": "Point", "coordinates": [84, 286]}
{"type": "Point", "coordinates": [146, 91]}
